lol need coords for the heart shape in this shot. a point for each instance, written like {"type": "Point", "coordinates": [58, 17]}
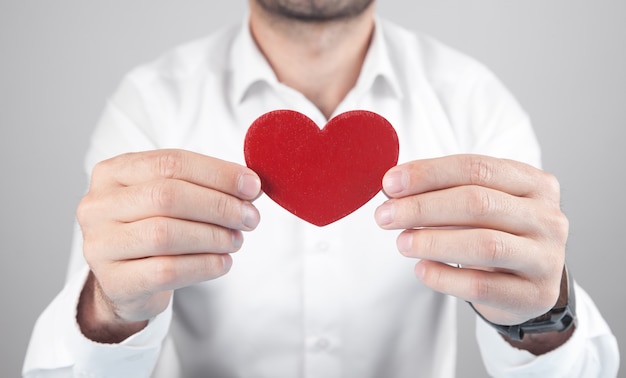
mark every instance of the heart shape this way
{"type": "Point", "coordinates": [321, 175]}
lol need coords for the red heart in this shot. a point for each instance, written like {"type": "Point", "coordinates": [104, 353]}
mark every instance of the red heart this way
{"type": "Point", "coordinates": [321, 175]}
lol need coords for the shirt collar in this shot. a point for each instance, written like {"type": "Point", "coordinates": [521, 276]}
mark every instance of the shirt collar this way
{"type": "Point", "coordinates": [249, 66]}
{"type": "Point", "coordinates": [378, 64]}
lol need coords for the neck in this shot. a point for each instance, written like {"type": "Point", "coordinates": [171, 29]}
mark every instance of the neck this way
{"type": "Point", "coordinates": [321, 60]}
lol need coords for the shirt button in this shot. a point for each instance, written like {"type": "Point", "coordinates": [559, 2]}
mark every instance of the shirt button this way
{"type": "Point", "coordinates": [323, 246]}
{"type": "Point", "coordinates": [321, 344]}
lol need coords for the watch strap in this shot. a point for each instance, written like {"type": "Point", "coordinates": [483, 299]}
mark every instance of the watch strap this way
{"type": "Point", "coordinates": [559, 319]}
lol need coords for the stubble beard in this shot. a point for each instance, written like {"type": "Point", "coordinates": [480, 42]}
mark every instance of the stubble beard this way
{"type": "Point", "coordinates": [315, 11]}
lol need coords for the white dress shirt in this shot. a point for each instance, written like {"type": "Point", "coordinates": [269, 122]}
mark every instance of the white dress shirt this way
{"type": "Point", "coordinates": [302, 300]}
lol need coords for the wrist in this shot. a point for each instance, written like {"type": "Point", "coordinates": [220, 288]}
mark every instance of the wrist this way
{"type": "Point", "coordinates": [548, 331]}
{"type": "Point", "coordinates": [541, 343]}
{"type": "Point", "coordinates": [97, 318]}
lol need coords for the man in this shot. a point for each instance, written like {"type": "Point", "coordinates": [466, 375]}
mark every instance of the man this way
{"type": "Point", "coordinates": [297, 300]}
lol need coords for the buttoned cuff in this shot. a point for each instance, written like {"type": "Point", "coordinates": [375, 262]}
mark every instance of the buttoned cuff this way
{"type": "Point", "coordinates": [58, 343]}
{"type": "Point", "coordinates": [590, 351]}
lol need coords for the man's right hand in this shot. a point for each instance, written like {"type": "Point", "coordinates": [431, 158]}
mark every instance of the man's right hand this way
{"type": "Point", "coordinates": [153, 222]}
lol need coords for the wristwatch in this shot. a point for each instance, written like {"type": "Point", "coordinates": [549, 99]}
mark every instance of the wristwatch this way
{"type": "Point", "coordinates": [559, 319]}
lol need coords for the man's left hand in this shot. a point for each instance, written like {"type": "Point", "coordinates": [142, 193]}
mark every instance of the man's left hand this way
{"type": "Point", "coordinates": [498, 219]}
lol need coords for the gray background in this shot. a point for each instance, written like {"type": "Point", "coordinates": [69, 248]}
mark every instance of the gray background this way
{"type": "Point", "coordinates": [564, 60]}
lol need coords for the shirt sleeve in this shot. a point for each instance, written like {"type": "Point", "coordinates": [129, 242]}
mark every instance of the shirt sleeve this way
{"type": "Point", "coordinates": [57, 347]}
{"type": "Point", "coordinates": [491, 122]}
{"type": "Point", "coordinates": [488, 120]}
{"type": "Point", "coordinates": [591, 351]}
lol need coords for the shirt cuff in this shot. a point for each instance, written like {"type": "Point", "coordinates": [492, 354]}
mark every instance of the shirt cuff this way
{"type": "Point", "coordinates": [57, 341]}
{"type": "Point", "coordinates": [590, 351]}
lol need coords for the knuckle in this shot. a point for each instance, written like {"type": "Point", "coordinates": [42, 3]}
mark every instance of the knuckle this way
{"type": "Point", "coordinates": [417, 209]}
{"type": "Point", "coordinates": [552, 185]}
{"type": "Point", "coordinates": [100, 169]}
{"type": "Point", "coordinates": [218, 177]}
{"type": "Point", "coordinates": [494, 250]}
{"type": "Point", "coordinates": [214, 236]}
{"type": "Point", "coordinates": [84, 210]}
{"type": "Point", "coordinates": [480, 203]}
{"type": "Point", "coordinates": [562, 225]}
{"type": "Point", "coordinates": [558, 224]}
{"type": "Point", "coordinates": [478, 289]}
{"type": "Point", "coordinates": [211, 238]}
{"type": "Point", "coordinates": [424, 243]}
{"type": "Point", "coordinates": [104, 168]}
{"type": "Point", "coordinates": [160, 234]}
{"type": "Point", "coordinates": [212, 266]}
{"type": "Point", "coordinates": [222, 206]}
{"type": "Point", "coordinates": [90, 235]}
{"type": "Point", "coordinates": [170, 163]}
{"type": "Point", "coordinates": [480, 170]}
{"type": "Point", "coordinates": [220, 240]}
{"type": "Point", "coordinates": [163, 195]}
{"type": "Point", "coordinates": [164, 271]}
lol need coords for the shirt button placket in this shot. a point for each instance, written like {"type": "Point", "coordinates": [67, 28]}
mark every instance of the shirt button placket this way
{"type": "Point", "coordinates": [322, 246]}
{"type": "Point", "coordinates": [322, 301]}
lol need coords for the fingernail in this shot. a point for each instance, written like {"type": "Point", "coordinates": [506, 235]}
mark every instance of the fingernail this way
{"type": "Point", "coordinates": [237, 239]}
{"type": "Point", "coordinates": [405, 242]}
{"type": "Point", "coordinates": [249, 185]}
{"type": "Point", "coordinates": [227, 261]}
{"type": "Point", "coordinates": [384, 214]}
{"type": "Point", "coordinates": [249, 216]}
{"type": "Point", "coordinates": [395, 182]}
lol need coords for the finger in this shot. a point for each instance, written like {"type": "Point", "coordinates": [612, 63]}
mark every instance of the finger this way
{"type": "Point", "coordinates": [128, 280]}
{"type": "Point", "coordinates": [464, 206]}
{"type": "Point", "coordinates": [175, 199]}
{"type": "Point", "coordinates": [175, 272]}
{"type": "Point", "coordinates": [134, 168]}
{"type": "Point", "coordinates": [474, 247]}
{"type": "Point", "coordinates": [508, 176]}
{"type": "Point", "coordinates": [506, 294]}
{"type": "Point", "coordinates": [160, 236]}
